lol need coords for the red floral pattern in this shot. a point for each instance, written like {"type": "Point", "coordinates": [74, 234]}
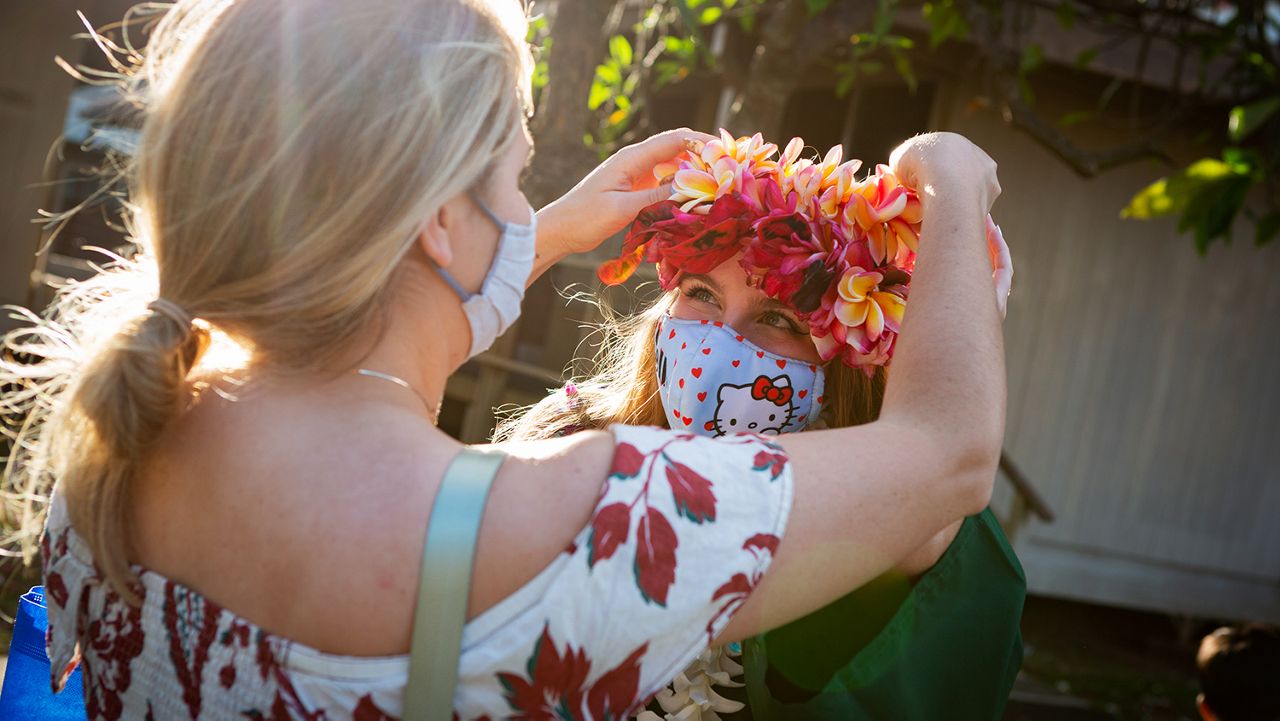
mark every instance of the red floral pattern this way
{"type": "Point", "coordinates": [683, 530]}
{"type": "Point", "coordinates": [111, 641]}
{"type": "Point", "coordinates": [555, 688]}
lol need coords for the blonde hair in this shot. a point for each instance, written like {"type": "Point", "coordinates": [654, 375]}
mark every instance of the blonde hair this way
{"type": "Point", "coordinates": [288, 154]}
{"type": "Point", "coordinates": [621, 385]}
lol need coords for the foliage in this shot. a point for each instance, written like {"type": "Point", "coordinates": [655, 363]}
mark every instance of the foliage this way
{"type": "Point", "coordinates": [1227, 49]}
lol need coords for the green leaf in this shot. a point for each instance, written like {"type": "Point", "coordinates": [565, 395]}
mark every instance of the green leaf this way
{"type": "Point", "coordinates": [1268, 225]}
{"type": "Point", "coordinates": [1032, 58]}
{"type": "Point", "coordinates": [884, 18]}
{"type": "Point", "coordinates": [1213, 210]}
{"type": "Point", "coordinates": [710, 15]}
{"type": "Point", "coordinates": [599, 94]}
{"type": "Point", "coordinates": [816, 6]}
{"type": "Point", "coordinates": [1245, 119]}
{"type": "Point", "coordinates": [1151, 202]}
{"type": "Point", "coordinates": [1174, 193]}
{"type": "Point", "coordinates": [1208, 195]}
{"type": "Point", "coordinates": [1086, 58]}
{"type": "Point", "coordinates": [620, 49]}
{"type": "Point", "coordinates": [1076, 118]}
{"type": "Point", "coordinates": [845, 84]}
{"type": "Point", "coordinates": [945, 21]}
{"type": "Point", "coordinates": [870, 67]}
{"type": "Point", "coordinates": [609, 73]}
{"type": "Point", "coordinates": [1066, 14]}
{"type": "Point", "coordinates": [902, 63]}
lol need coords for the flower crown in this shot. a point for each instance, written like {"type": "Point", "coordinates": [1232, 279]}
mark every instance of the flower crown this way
{"type": "Point", "coordinates": [836, 250]}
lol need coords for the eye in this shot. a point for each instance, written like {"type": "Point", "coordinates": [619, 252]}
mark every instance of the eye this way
{"type": "Point", "coordinates": [775, 319]}
{"type": "Point", "coordinates": [700, 293]}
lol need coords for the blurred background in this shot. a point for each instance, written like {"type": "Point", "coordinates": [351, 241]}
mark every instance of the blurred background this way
{"type": "Point", "coordinates": [1139, 151]}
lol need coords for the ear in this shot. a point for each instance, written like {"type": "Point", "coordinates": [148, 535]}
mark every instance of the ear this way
{"type": "Point", "coordinates": [433, 236]}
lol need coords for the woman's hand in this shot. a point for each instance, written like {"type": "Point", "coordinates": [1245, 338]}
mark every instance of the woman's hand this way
{"type": "Point", "coordinates": [1001, 265]}
{"type": "Point", "coordinates": [946, 163]}
{"type": "Point", "coordinates": [608, 198]}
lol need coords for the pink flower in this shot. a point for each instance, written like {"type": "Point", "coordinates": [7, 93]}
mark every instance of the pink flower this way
{"type": "Point", "coordinates": [791, 257]}
{"type": "Point", "coordinates": [860, 317]}
{"type": "Point", "coordinates": [888, 213]}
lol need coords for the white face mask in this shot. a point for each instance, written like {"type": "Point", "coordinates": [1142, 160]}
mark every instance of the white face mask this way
{"type": "Point", "coordinates": [492, 311]}
{"type": "Point", "coordinates": [714, 382]}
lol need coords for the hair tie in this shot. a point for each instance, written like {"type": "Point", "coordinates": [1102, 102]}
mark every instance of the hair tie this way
{"type": "Point", "coordinates": [171, 309]}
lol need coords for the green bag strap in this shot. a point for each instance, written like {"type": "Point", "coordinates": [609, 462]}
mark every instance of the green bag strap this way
{"type": "Point", "coordinates": [445, 584]}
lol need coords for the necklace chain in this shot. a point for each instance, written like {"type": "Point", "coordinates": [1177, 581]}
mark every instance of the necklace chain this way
{"type": "Point", "coordinates": [434, 413]}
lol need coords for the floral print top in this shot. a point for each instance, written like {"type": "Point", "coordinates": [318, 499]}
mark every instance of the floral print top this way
{"type": "Point", "coordinates": [683, 530]}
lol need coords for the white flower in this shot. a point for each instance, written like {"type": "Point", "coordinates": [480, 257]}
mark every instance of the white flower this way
{"type": "Point", "coordinates": [692, 696]}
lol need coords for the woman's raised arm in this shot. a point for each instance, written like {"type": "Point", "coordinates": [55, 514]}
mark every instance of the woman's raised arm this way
{"type": "Point", "coordinates": [868, 495]}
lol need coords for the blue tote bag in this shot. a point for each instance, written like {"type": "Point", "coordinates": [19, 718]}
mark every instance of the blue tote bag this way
{"type": "Point", "coordinates": [26, 694]}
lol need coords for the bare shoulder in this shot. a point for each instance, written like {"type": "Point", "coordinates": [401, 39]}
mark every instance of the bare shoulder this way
{"type": "Point", "coordinates": [541, 499]}
{"type": "Point", "coordinates": [302, 520]}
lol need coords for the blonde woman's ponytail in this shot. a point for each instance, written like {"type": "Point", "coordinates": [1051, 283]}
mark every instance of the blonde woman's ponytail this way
{"type": "Point", "coordinates": [123, 399]}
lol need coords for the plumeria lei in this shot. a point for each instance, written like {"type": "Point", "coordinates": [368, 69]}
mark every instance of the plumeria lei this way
{"type": "Point", "coordinates": [838, 250]}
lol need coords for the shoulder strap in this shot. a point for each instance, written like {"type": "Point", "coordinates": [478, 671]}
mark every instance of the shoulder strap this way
{"type": "Point", "coordinates": [445, 583]}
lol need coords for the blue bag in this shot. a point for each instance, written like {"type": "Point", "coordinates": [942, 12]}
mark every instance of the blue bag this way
{"type": "Point", "coordinates": [26, 694]}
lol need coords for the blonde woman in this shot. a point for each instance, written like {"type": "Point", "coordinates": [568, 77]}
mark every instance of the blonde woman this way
{"type": "Point", "coordinates": [319, 185]}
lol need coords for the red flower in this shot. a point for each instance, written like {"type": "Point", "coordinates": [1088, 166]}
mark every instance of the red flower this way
{"type": "Point", "coordinates": [791, 256]}
{"type": "Point", "coordinates": [680, 241]}
{"type": "Point", "coordinates": [556, 687]}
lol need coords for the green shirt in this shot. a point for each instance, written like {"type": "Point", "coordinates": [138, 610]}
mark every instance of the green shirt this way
{"type": "Point", "coordinates": [948, 646]}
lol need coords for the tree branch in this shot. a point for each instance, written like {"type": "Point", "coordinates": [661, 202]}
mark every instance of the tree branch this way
{"type": "Point", "coordinates": [1086, 163]}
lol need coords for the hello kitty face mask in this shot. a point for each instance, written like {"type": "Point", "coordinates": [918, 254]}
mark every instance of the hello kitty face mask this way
{"type": "Point", "coordinates": [714, 382]}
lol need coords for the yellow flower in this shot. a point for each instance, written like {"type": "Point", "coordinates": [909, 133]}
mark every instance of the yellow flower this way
{"type": "Point", "coordinates": [887, 212]}
{"type": "Point", "coordinates": [862, 305]}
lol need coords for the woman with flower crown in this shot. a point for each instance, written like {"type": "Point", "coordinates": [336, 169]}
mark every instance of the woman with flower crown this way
{"type": "Point", "coordinates": [240, 419]}
{"type": "Point", "coordinates": [786, 283]}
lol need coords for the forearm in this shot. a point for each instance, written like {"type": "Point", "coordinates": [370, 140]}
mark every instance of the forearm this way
{"type": "Point", "coordinates": [552, 244]}
{"type": "Point", "coordinates": [948, 373]}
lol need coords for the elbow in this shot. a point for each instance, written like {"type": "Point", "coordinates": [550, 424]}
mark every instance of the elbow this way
{"type": "Point", "coordinates": [978, 463]}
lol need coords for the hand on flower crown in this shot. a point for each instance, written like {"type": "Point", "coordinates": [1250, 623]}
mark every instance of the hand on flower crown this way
{"type": "Point", "coordinates": [946, 162]}
{"type": "Point", "coordinates": [611, 195]}
{"type": "Point", "coordinates": [1001, 265]}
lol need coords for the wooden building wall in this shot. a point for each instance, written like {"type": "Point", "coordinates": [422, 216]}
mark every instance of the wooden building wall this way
{"type": "Point", "coordinates": [1144, 385]}
{"type": "Point", "coordinates": [33, 103]}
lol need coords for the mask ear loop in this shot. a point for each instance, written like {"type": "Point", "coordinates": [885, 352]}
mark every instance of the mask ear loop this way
{"type": "Point", "coordinates": [448, 277]}
{"type": "Point", "coordinates": [502, 225]}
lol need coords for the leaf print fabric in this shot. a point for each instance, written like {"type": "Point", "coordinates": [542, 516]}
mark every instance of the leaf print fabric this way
{"type": "Point", "coordinates": [683, 530]}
